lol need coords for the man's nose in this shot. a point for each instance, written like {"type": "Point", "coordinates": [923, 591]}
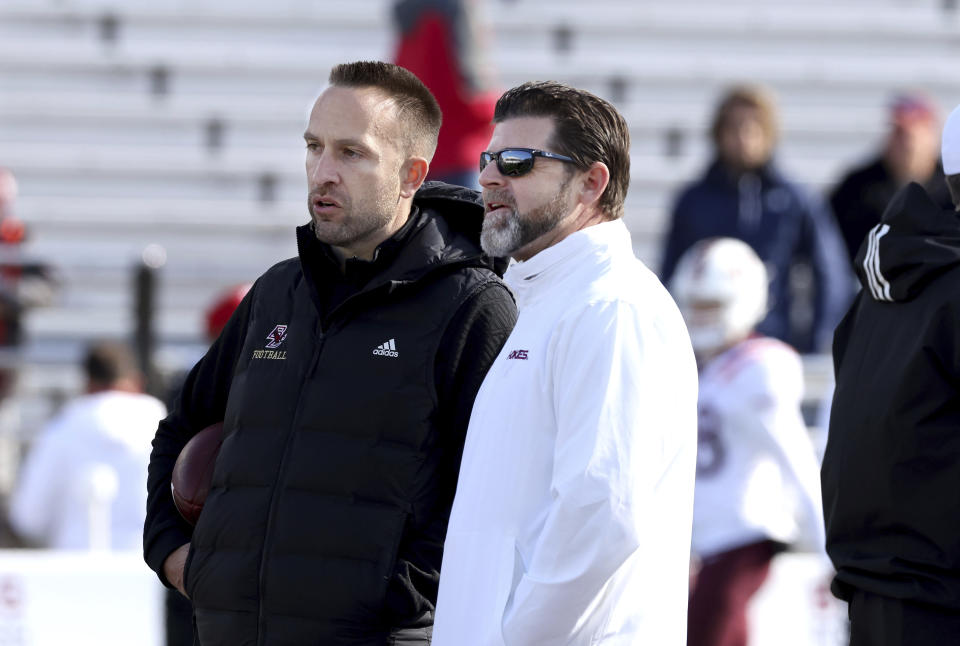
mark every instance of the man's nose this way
{"type": "Point", "coordinates": [490, 175]}
{"type": "Point", "coordinates": [321, 169]}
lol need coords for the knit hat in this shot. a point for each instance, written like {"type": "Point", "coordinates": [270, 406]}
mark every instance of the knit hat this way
{"type": "Point", "coordinates": [219, 313]}
{"type": "Point", "coordinates": [950, 149]}
{"type": "Point", "coordinates": [912, 107]}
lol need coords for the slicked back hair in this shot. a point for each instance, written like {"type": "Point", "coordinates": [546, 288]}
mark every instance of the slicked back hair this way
{"type": "Point", "coordinates": [586, 128]}
{"type": "Point", "coordinates": [953, 183]}
{"type": "Point", "coordinates": [417, 112]}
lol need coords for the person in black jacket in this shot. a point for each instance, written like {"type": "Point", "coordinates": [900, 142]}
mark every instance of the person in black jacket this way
{"type": "Point", "coordinates": [891, 472]}
{"type": "Point", "coordinates": [911, 153]}
{"type": "Point", "coordinates": [344, 380]}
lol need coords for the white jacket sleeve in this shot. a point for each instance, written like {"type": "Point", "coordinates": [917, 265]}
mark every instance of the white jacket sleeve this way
{"type": "Point", "coordinates": [603, 379]}
{"type": "Point", "coordinates": [33, 505]}
{"type": "Point", "coordinates": [779, 426]}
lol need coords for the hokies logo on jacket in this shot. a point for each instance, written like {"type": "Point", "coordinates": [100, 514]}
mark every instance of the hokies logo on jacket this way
{"type": "Point", "coordinates": [276, 337]}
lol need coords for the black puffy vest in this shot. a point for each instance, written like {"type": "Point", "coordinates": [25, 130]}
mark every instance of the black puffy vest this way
{"type": "Point", "coordinates": [329, 452]}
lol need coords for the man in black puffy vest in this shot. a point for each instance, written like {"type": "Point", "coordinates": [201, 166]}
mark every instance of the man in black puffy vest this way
{"type": "Point", "coordinates": [345, 380]}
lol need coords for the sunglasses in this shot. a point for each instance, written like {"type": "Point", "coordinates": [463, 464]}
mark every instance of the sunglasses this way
{"type": "Point", "coordinates": [514, 162]}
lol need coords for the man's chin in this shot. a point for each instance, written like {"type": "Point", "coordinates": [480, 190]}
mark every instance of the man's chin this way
{"type": "Point", "coordinates": [330, 234]}
{"type": "Point", "coordinates": [497, 244]}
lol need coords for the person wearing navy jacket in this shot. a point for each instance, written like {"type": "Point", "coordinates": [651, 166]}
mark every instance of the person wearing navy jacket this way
{"type": "Point", "coordinates": [743, 194]}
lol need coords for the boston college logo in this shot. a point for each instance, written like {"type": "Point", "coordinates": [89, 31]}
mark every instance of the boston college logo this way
{"type": "Point", "coordinates": [277, 336]}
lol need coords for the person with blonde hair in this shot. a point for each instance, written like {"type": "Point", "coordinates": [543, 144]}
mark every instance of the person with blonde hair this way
{"type": "Point", "coordinates": [743, 194]}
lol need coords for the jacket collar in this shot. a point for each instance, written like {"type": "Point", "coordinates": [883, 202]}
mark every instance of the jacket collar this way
{"type": "Point", "coordinates": [717, 173]}
{"type": "Point", "coordinates": [445, 233]}
{"type": "Point", "coordinates": [594, 246]}
{"type": "Point", "coordinates": [915, 242]}
{"type": "Point", "coordinates": [357, 271]}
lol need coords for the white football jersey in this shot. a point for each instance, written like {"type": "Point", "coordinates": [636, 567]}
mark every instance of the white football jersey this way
{"type": "Point", "coordinates": [757, 473]}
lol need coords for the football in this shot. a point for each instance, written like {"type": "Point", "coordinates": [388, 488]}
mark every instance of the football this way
{"type": "Point", "coordinates": [193, 472]}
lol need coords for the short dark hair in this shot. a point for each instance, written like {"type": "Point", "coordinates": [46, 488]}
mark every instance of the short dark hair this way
{"type": "Point", "coordinates": [107, 362]}
{"type": "Point", "coordinates": [953, 183]}
{"type": "Point", "coordinates": [752, 96]}
{"type": "Point", "coordinates": [418, 113]}
{"type": "Point", "coordinates": [586, 128]}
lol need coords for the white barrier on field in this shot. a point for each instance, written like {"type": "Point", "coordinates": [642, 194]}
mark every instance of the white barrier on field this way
{"type": "Point", "coordinates": [795, 608]}
{"type": "Point", "coordinates": [51, 598]}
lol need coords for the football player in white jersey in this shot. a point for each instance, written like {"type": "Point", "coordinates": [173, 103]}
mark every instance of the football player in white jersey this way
{"type": "Point", "coordinates": [757, 488]}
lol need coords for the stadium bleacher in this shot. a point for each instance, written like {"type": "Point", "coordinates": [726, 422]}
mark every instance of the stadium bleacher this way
{"type": "Point", "coordinates": [130, 123]}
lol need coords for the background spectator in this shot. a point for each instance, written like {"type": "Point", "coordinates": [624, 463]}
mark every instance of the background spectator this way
{"type": "Point", "coordinates": [222, 309]}
{"type": "Point", "coordinates": [8, 193]}
{"type": "Point", "coordinates": [440, 43]}
{"type": "Point", "coordinates": [911, 153]}
{"type": "Point", "coordinates": [90, 462]}
{"type": "Point", "coordinates": [23, 284]}
{"type": "Point", "coordinates": [744, 195]}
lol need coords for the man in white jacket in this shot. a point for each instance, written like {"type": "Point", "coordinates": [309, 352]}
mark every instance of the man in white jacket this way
{"type": "Point", "coordinates": [84, 482]}
{"type": "Point", "coordinates": [572, 517]}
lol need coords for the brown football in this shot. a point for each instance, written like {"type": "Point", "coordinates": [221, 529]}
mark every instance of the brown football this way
{"type": "Point", "coordinates": [193, 472]}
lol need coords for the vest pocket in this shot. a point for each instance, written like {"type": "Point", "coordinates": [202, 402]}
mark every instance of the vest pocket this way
{"type": "Point", "coordinates": [186, 570]}
{"type": "Point", "coordinates": [334, 562]}
{"type": "Point", "coordinates": [389, 564]}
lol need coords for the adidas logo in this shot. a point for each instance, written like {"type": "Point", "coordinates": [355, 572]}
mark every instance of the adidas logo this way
{"type": "Point", "coordinates": [388, 349]}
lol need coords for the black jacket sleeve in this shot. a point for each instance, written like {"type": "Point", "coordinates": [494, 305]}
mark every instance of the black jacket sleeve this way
{"type": "Point", "coordinates": [471, 342]}
{"type": "Point", "coordinates": [822, 245]}
{"type": "Point", "coordinates": [468, 347]}
{"type": "Point", "coordinates": [202, 401]}
{"type": "Point", "coordinates": [676, 241]}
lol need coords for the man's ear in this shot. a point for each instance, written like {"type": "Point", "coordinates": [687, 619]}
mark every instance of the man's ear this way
{"type": "Point", "coordinates": [593, 183]}
{"type": "Point", "coordinates": [412, 175]}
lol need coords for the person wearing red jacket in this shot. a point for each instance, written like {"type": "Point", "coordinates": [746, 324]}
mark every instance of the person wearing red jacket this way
{"type": "Point", "coordinates": [437, 42]}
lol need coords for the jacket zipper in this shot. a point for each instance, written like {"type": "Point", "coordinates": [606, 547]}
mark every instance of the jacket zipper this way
{"type": "Point", "coordinates": [324, 324]}
{"type": "Point", "coordinates": [272, 508]}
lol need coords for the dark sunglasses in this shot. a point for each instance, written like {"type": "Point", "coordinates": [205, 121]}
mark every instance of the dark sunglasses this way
{"type": "Point", "coordinates": [514, 162]}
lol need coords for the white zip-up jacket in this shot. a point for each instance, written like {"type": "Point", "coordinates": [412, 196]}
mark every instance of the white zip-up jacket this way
{"type": "Point", "coordinates": [61, 483]}
{"type": "Point", "coordinates": [757, 477]}
{"type": "Point", "coordinates": [573, 512]}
